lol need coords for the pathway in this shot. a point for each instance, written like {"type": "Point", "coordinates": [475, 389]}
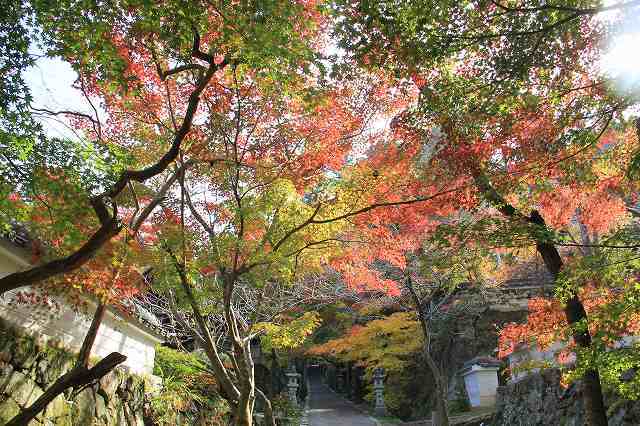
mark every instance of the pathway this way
{"type": "Point", "coordinates": [326, 408]}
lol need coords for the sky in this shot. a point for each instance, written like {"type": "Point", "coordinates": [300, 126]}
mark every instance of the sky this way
{"type": "Point", "coordinates": [51, 84]}
{"type": "Point", "coordinates": [51, 79]}
{"type": "Point", "coordinates": [622, 58]}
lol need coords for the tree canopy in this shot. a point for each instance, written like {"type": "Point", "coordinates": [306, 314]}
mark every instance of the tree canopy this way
{"type": "Point", "coordinates": [247, 163]}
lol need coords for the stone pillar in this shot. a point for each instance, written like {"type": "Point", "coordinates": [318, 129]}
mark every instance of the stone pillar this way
{"type": "Point", "coordinates": [292, 384]}
{"type": "Point", "coordinates": [378, 388]}
{"type": "Point", "coordinates": [481, 380]}
{"type": "Point", "coordinates": [340, 379]}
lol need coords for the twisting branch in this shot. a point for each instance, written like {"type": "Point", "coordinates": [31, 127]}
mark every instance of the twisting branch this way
{"type": "Point", "coordinates": [388, 204]}
{"type": "Point", "coordinates": [196, 52]}
{"type": "Point", "coordinates": [174, 150]}
{"type": "Point", "coordinates": [66, 112]}
{"type": "Point", "coordinates": [160, 195]}
{"type": "Point", "coordinates": [79, 377]}
{"type": "Point", "coordinates": [110, 226]}
{"type": "Point", "coordinates": [209, 345]}
{"type": "Point", "coordinates": [561, 8]}
{"type": "Point", "coordinates": [94, 121]}
{"type": "Point", "coordinates": [177, 70]}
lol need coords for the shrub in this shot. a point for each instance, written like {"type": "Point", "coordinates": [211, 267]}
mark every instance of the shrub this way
{"type": "Point", "coordinates": [189, 392]}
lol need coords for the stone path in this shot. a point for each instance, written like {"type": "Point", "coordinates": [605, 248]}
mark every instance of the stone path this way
{"type": "Point", "coordinates": [326, 408]}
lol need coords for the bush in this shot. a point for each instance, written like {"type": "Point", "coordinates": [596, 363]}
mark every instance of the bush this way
{"type": "Point", "coordinates": [170, 362]}
{"type": "Point", "coordinates": [189, 393]}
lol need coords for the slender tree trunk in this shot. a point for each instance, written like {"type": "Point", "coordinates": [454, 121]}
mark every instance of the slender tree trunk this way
{"type": "Point", "coordinates": [269, 418]}
{"type": "Point", "coordinates": [245, 375]}
{"type": "Point", "coordinates": [243, 361]}
{"type": "Point", "coordinates": [78, 377]}
{"type": "Point", "coordinates": [442, 418]}
{"type": "Point", "coordinates": [243, 395]}
{"type": "Point", "coordinates": [595, 412]}
{"type": "Point", "coordinates": [441, 402]}
{"type": "Point", "coordinates": [222, 375]}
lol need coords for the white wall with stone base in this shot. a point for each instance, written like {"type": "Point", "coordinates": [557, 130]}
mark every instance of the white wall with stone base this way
{"type": "Point", "coordinates": [69, 324]}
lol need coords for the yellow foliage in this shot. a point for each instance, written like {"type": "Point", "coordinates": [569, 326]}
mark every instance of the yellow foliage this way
{"type": "Point", "coordinates": [289, 335]}
{"type": "Point", "coordinates": [389, 342]}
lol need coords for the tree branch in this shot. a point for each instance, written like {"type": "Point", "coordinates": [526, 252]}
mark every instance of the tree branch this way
{"type": "Point", "coordinates": [110, 228]}
{"type": "Point", "coordinates": [75, 379]}
{"type": "Point", "coordinates": [79, 377]}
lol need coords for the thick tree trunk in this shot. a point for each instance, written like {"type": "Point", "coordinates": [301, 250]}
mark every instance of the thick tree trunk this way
{"type": "Point", "coordinates": [78, 377]}
{"type": "Point", "coordinates": [243, 415]}
{"type": "Point", "coordinates": [595, 412]}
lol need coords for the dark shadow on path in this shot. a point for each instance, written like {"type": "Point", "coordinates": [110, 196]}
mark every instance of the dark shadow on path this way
{"type": "Point", "coordinates": [326, 408]}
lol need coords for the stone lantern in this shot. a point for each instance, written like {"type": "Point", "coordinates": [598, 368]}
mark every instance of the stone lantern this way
{"type": "Point", "coordinates": [481, 380]}
{"type": "Point", "coordinates": [292, 384]}
{"type": "Point", "coordinates": [378, 389]}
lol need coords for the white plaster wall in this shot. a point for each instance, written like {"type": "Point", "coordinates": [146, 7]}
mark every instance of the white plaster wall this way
{"type": "Point", "coordinates": [481, 384]}
{"type": "Point", "coordinates": [528, 354]}
{"type": "Point", "coordinates": [69, 324]}
{"type": "Point", "coordinates": [473, 389]}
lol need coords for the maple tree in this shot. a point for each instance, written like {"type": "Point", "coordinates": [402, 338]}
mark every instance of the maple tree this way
{"type": "Point", "coordinates": [510, 112]}
{"type": "Point", "coordinates": [230, 155]}
{"type": "Point", "coordinates": [122, 55]}
{"type": "Point", "coordinates": [510, 178]}
{"type": "Point", "coordinates": [147, 72]}
{"type": "Point", "coordinates": [433, 269]}
{"type": "Point", "coordinates": [430, 292]}
{"type": "Point", "coordinates": [150, 72]}
{"type": "Point", "coordinates": [606, 278]}
{"type": "Point", "coordinates": [427, 290]}
{"type": "Point", "coordinates": [389, 342]}
{"type": "Point", "coordinates": [260, 209]}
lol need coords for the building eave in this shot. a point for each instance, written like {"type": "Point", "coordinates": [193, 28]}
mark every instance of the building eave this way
{"type": "Point", "coordinates": [21, 258]}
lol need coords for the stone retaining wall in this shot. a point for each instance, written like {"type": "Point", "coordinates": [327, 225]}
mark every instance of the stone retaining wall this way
{"type": "Point", "coordinates": [29, 366]}
{"type": "Point", "coordinates": [539, 399]}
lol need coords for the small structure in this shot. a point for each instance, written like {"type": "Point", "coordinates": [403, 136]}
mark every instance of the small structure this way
{"type": "Point", "coordinates": [481, 380]}
{"type": "Point", "coordinates": [528, 359]}
{"type": "Point", "coordinates": [378, 388]}
{"type": "Point", "coordinates": [292, 384]}
{"type": "Point", "coordinates": [55, 319]}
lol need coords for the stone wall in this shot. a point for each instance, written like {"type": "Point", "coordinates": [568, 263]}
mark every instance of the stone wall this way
{"type": "Point", "coordinates": [510, 297]}
{"type": "Point", "coordinates": [28, 366]}
{"type": "Point", "coordinates": [539, 399]}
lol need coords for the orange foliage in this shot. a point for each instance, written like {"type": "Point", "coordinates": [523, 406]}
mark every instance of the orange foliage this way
{"type": "Point", "coordinates": [546, 322]}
